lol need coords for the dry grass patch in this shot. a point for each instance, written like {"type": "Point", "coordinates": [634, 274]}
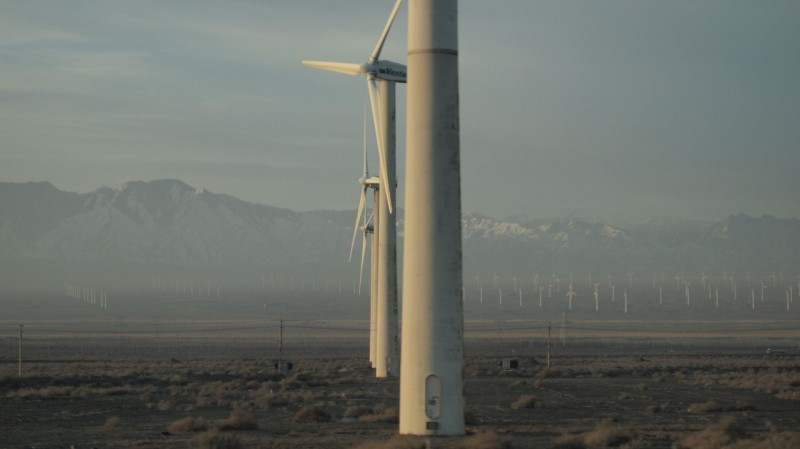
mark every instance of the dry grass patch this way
{"type": "Point", "coordinates": [215, 440]}
{"type": "Point", "coordinates": [357, 411]}
{"type": "Point", "coordinates": [112, 422]}
{"type": "Point", "coordinates": [188, 424]}
{"type": "Point", "coordinates": [239, 419]}
{"type": "Point", "coordinates": [656, 408]}
{"type": "Point", "coordinates": [606, 434]}
{"type": "Point", "coordinates": [311, 414]}
{"type": "Point", "coordinates": [487, 440]}
{"type": "Point", "coordinates": [704, 407]}
{"type": "Point", "coordinates": [526, 401]}
{"type": "Point", "coordinates": [718, 435]}
{"type": "Point", "coordinates": [567, 441]}
{"type": "Point", "coordinates": [397, 442]}
{"type": "Point", "coordinates": [381, 413]}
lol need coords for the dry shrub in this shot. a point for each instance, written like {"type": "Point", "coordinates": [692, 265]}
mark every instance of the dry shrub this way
{"type": "Point", "coordinates": [346, 379]}
{"type": "Point", "coordinates": [240, 419]}
{"type": "Point", "coordinates": [380, 413]}
{"type": "Point", "coordinates": [641, 386]}
{"type": "Point", "coordinates": [273, 400]}
{"type": "Point", "coordinates": [606, 434]}
{"type": "Point", "coordinates": [525, 401]}
{"type": "Point", "coordinates": [188, 424]}
{"type": "Point", "coordinates": [397, 442]}
{"type": "Point", "coordinates": [112, 422]}
{"type": "Point", "coordinates": [165, 405]}
{"type": "Point", "coordinates": [778, 440]}
{"type": "Point", "coordinates": [704, 407]}
{"type": "Point", "coordinates": [659, 378]}
{"type": "Point", "coordinates": [357, 411]}
{"type": "Point", "coordinates": [656, 408]}
{"type": "Point", "coordinates": [487, 440]}
{"type": "Point", "coordinates": [723, 433]}
{"type": "Point", "coordinates": [311, 414]}
{"type": "Point", "coordinates": [569, 442]}
{"type": "Point", "coordinates": [215, 440]}
{"type": "Point", "coordinates": [742, 406]}
{"type": "Point", "coordinates": [297, 380]}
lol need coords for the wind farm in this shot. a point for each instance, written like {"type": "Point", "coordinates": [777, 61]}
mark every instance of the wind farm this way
{"type": "Point", "coordinates": [160, 314]}
{"type": "Point", "coordinates": [202, 356]}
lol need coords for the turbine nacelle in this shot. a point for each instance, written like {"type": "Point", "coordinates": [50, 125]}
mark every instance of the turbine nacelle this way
{"type": "Point", "coordinates": [373, 70]}
{"type": "Point", "coordinates": [382, 70]}
{"type": "Point", "coordinates": [390, 71]}
{"type": "Point", "coordinates": [372, 181]}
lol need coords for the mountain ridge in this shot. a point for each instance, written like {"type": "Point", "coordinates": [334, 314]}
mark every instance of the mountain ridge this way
{"type": "Point", "coordinates": [167, 223]}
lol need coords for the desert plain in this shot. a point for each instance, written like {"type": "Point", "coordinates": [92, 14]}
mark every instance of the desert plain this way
{"type": "Point", "coordinates": [167, 370]}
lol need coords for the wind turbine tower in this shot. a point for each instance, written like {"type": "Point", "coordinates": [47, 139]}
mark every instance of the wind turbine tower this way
{"type": "Point", "coordinates": [382, 101]}
{"type": "Point", "coordinates": [431, 383]}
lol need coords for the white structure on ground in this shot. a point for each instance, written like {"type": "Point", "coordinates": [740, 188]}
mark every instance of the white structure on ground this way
{"type": "Point", "coordinates": [431, 384]}
{"type": "Point", "coordinates": [382, 100]}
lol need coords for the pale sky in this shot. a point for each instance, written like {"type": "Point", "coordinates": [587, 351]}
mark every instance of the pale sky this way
{"type": "Point", "coordinates": [613, 109]}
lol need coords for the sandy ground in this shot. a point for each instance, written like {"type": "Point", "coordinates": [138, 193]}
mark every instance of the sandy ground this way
{"type": "Point", "coordinates": [656, 398]}
{"type": "Point", "coordinates": [660, 376]}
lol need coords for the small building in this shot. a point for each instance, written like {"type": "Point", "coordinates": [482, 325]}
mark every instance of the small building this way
{"type": "Point", "coordinates": [772, 351]}
{"type": "Point", "coordinates": [510, 363]}
{"type": "Point", "coordinates": [284, 366]}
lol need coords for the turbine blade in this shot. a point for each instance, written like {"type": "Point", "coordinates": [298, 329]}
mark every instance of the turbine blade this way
{"type": "Point", "coordinates": [340, 67]}
{"type": "Point", "coordinates": [375, 101]}
{"type": "Point", "coordinates": [366, 174]}
{"type": "Point", "coordinates": [376, 53]}
{"type": "Point", "coordinates": [361, 202]}
{"type": "Point", "coordinates": [363, 253]}
{"type": "Point", "coordinates": [371, 214]}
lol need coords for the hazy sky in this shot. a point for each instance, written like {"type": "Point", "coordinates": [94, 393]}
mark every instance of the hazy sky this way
{"type": "Point", "coordinates": [615, 109]}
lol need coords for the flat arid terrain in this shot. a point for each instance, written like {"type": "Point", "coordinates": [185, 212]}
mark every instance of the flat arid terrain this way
{"type": "Point", "coordinates": [203, 375]}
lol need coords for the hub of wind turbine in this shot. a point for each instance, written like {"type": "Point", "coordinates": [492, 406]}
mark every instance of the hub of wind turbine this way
{"type": "Point", "coordinates": [374, 69]}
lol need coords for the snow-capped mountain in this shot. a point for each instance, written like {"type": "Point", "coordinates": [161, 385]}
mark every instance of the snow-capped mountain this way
{"type": "Point", "coordinates": [167, 223]}
{"type": "Point", "coordinates": [164, 221]}
{"type": "Point", "coordinates": [736, 244]}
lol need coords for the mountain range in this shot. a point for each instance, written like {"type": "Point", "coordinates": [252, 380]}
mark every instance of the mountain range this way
{"type": "Point", "coordinates": [144, 228]}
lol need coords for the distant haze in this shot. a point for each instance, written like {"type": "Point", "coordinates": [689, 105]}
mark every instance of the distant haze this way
{"type": "Point", "coordinates": [620, 110]}
{"type": "Point", "coordinates": [168, 229]}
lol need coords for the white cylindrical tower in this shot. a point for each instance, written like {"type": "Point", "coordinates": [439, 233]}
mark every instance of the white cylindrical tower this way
{"type": "Point", "coordinates": [373, 280]}
{"type": "Point", "coordinates": [387, 355]}
{"type": "Point", "coordinates": [431, 397]}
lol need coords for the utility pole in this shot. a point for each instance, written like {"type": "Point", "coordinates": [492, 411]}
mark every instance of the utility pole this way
{"type": "Point", "coordinates": [548, 346]}
{"type": "Point", "coordinates": [280, 348]}
{"type": "Point", "coordinates": [19, 366]}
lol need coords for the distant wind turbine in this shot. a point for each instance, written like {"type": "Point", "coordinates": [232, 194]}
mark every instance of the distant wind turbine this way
{"type": "Point", "coordinates": [388, 73]}
{"type": "Point", "coordinates": [625, 295]}
{"type": "Point", "coordinates": [688, 296]}
{"type": "Point", "coordinates": [571, 294]}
